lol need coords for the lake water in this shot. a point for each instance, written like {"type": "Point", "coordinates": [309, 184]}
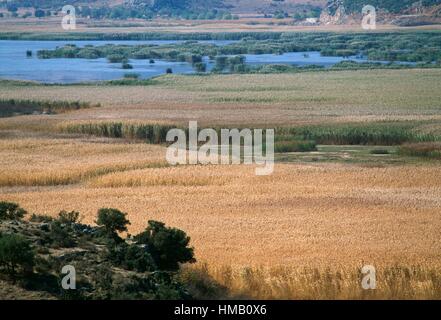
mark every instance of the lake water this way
{"type": "Point", "coordinates": [15, 65]}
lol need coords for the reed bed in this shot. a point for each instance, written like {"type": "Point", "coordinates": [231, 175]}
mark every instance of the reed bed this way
{"type": "Point", "coordinates": [375, 133]}
{"type": "Point", "coordinates": [10, 107]}
{"type": "Point", "coordinates": [288, 139]}
{"type": "Point", "coordinates": [161, 177]}
{"type": "Point", "coordinates": [303, 214]}
{"type": "Point", "coordinates": [152, 133]}
{"type": "Point", "coordinates": [52, 162]}
{"type": "Point", "coordinates": [316, 283]}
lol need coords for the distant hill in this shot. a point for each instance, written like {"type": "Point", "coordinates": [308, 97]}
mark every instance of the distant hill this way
{"type": "Point", "coordinates": [392, 6]}
{"type": "Point", "coordinates": [215, 9]}
{"type": "Point", "coordinates": [237, 6]}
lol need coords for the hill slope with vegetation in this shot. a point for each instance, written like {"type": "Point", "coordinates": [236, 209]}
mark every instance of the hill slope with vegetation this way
{"type": "Point", "coordinates": [212, 9]}
{"type": "Point", "coordinates": [34, 254]}
{"type": "Point", "coordinates": [392, 6]}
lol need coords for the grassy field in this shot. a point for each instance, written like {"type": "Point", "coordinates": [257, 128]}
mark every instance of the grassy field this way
{"type": "Point", "coordinates": [311, 225]}
{"type": "Point", "coordinates": [250, 100]}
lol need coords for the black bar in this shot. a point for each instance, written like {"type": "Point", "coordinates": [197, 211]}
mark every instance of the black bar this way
{"type": "Point", "coordinates": [222, 309]}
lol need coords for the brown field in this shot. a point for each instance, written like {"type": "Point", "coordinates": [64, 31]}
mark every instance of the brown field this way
{"type": "Point", "coordinates": [303, 232]}
{"type": "Point", "coordinates": [303, 214]}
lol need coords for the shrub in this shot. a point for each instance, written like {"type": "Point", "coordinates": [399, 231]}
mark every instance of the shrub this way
{"type": "Point", "coordinates": [16, 254]}
{"type": "Point", "coordinates": [131, 257]}
{"type": "Point", "coordinates": [11, 107]}
{"type": "Point", "coordinates": [200, 67]}
{"type": "Point", "coordinates": [168, 246]}
{"type": "Point", "coordinates": [11, 211]}
{"type": "Point", "coordinates": [60, 235]}
{"type": "Point", "coordinates": [152, 286]}
{"type": "Point", "coordinates": [201, 285]}
{"type": "Point", "coordinates": [112, 221]}
{"type": "Point", "coordinates": [116, 58]}
{"type": "Point", "coordinates": [68, 217]}
{"type": "Point", "coordinates": [126, 65]}
{"type": "Point", "coordinates": [39, 13]}
{"type": "Point", "coordinates": [41, 218]}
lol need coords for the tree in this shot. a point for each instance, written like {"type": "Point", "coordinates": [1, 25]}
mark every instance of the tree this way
{"type": "Point", "coordinates": [200, 67]}
{"type": "Point", "coordinates": [12, 7]}
{"type": "Point", "coordinates": [11, 211]}
{"type": "Point", "coordinates": [15, 253]}
{"type": "Point", "coordinates": [39, 13]}
{"type": "Point", "coordinates": [167, 246]}
{"type": "Point", "coordinates": [170, 4]}
{"type": "Point", "coordinates": [112, 221]}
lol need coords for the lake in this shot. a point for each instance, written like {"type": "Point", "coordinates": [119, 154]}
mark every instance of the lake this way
{"type": "Point", "coordinates": [15, 65]}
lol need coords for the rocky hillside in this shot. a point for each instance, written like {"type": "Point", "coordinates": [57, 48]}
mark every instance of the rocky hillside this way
{"type": "Point", "coordinates": [224, 9]}
{"type": "Point", "coordinates": [37, 253]}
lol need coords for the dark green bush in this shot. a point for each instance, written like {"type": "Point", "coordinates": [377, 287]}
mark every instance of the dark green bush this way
{"type": "Point", "coordinates": [112, 221]}
{"type": "Point", "coordinates": [12, 107]}
{"type": "Point", "coordinates": [16, 254]}
{"type": "Point", "coordinates": [68, 217]}
{"type": "Point", "coordinates": [60, 235]}
{"type": "Point", "coordinates": [41, 218]}
{"type": "Point", "coordinates": [116, 58]}
{"type": "Point", "coordinates": [131, 257]}
{"type": "Point", "coordinates": [11, 211]}
{"type": "Point", "coordinates": [168, 246]}
{"type": "Point", "coordinates": [200, 67]}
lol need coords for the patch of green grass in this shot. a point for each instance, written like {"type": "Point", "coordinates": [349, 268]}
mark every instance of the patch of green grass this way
{"type": "Point", "coordinates": [13, 107]}
{"type": "Point", "coordinates": [18, 83]}
{"type": "Point", "coordinates": [425, 150]}
{"type": "Point", "coordinates": [362, 155]}
{"type": "Point", "coordinates": [378, 133]}
{"type": "Point", "coordinates": [294, 146]}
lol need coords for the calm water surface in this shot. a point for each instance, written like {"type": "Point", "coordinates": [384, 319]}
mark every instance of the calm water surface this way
{"type": "Point", "coordinates": [15, 65]}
